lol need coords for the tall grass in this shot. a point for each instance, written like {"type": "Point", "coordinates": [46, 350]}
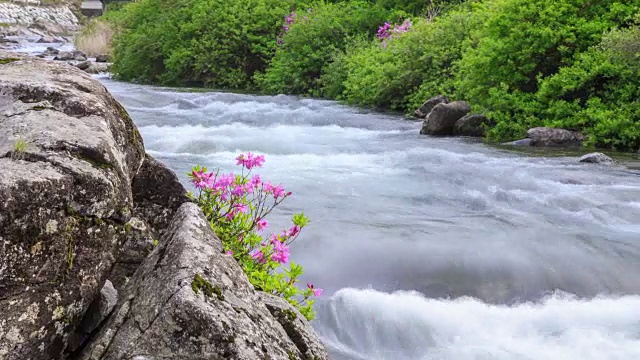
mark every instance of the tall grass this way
{"type": "Point", "coordinates": [95, 38]}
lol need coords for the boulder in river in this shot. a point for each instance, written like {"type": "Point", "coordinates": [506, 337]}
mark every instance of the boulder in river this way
{"type": "Point", "coordinates": [428, 105]}
{"type": "Point", "coordinates": [471, 125]}
{"type": "Point", "coordinates": [97, 68]}
{"type": "Point", "coordinates": [552, 137]}
{"type": "Point", "coordinates": [521, 142]}
{"type": "Point", "coordinates": [103, 58]}
{"type": "Point", "coordinates": [596, 158]}
{"type": "Point", "coordinates": [83, 65]}
{"type": "Point", "coordinates": [65, 56]}
{"type": "Point", "coordinates": [443, 117]}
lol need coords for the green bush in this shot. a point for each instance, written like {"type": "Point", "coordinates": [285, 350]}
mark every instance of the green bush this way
{"type": "Point", "coordinates": [215, 43]}
{"type": "Point", "coordinates": [522, 43]}
{"type": "Point", "coordinates": [311, 40]}
{"type": "Point", "coordinates": [410, 68]}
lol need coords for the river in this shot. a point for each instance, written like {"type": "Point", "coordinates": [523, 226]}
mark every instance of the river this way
{"type": "Point", "coordinates": [427, 248]}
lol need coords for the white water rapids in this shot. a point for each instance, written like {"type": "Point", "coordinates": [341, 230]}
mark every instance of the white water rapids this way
{"type": "Point", "coordinates": [427, 248]}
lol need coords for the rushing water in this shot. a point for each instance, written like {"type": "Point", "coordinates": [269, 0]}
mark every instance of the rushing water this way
{"type": "Point", "coordinates": [427, 248]}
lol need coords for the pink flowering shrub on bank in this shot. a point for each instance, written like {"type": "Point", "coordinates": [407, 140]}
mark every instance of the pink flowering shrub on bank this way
{"type": "Point", "coordinates": [388, 31]}
{"type": "Point", "coordinates": [237, 205]}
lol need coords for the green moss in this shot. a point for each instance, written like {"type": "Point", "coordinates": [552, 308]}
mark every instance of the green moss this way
{"type": "Point", "coordinates": [200, 284]}
{"type": "Point", "coordinates": [8, 60]}
{"type": "Point", "coordinates": [291, 355]}
{"type": "Point", "coordinates": [127, 227]}
{"type": "Point", "coordinates": [290, 314]}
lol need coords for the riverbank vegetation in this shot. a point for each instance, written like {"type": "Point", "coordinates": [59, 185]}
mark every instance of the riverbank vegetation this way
{"type": "Point", "coordinates": [573, 64]}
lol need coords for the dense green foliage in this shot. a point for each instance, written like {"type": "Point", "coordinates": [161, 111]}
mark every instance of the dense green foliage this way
{"type": "Point", "coordinates": [523, 63]}
{"type": "Point", "coordinates": [311, 40]}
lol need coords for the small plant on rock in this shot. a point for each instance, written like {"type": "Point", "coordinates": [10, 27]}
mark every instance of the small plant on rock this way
{"type": "Point", "coordinates": [19, 149]}
{"type": "Point", "coordinates": [237, 205]}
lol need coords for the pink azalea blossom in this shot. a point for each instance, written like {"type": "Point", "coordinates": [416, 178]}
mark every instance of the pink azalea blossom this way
{"type": "Point", "coordinates": [281, 252]}
{"type": "Point", "coordinates": [258, 256]}
{"type": "Point", "coordinates": [238, 191]}
{"type": "Point", "coordinates": [255, 181]}
{"type": "Point", "coordinates": [241, 208]}
{"type": "Point", "coordinates": [229, 252]}
{"type": "Point", "coordinates": [278, 191]}
{"type": "Point", "coordinates": [261, 224]}
{"type": "Point", "coordinates": [295, 230]}
{"type": "Point", "coordinates": [316, 292]}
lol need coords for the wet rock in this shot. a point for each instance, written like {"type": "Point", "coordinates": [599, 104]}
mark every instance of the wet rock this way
{"type": "Point", "coordinates": [521, 142]}
{"type": "Point", "coordinates": [51, 51]}
{"type": "Point", "coordinates": [190, 300]}
{"type": "Point", "coordinates": [65, 56]}
{"type": "Point", "coordinates": [551, 137]}
{"type": "Point", "coordinates": [103, 58]}
{"type": "Point", "coordinates": [443, 117]}
{"type": "Point", "coordinates": [68, 154]}
{"type": "Point", "coordinates": [428, 105]}
{"type": "Point", "coordinates": [47, 39]}
{"type": "Point", "coordinates": [471, 125]}
{"type": "Point", "coordinates": [83, 65]}
{"type": "Point", "coordinates": [596, 158]}
{"type": "Point", "coordinates": [98, 68]}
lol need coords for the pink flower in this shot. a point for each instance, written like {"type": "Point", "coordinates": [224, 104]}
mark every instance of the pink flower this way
{"type": "Point", "coordinates": [258, 256]}
{"type": "Point", "coordinates": [202, 180]}
{"type": "Point", "coordinates": [255, 181]}
{"type": "Point", "coordinates": [261, 224]}
{"type": "Point", "coordinates": [316, 292]}
{"type": "Point", "coordinates": [278, 191]}
{"type": "Point", "coordinates": [241, 208]}
{"type": "Point", "coordinates": [281, 252]}
{"type": "Point", "coordinates": [238, 191]}
{"type": "Point", "coordinates": [249, 161]}
{"type": "Point", "coordinates": [268, 188]}
{"type": "Point", "coordinates": [229, 252]}
{"type": "Point", "coordinates": [295, 230]}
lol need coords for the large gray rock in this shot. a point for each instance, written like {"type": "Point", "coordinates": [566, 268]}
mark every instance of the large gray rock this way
{"type": "Point", "coordinates": [551, 137]}
{"type": "Point", "coordinates": [165, 313]}
{"type": "Point", "coordinates": [428, 105]}
{"type": "Point", "coordinates": [596, 158]}
{"type": "Point", "coordinates": [157, 194]}
{"type": "Point", "coordinates": [471, 125]}
{"type": "Point", "coordinates": [68, 155]}
{"type": "Point", "coordinates": [443, 117]}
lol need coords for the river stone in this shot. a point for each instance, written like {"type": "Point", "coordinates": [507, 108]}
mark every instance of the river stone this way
{"type": "Point", "coordinates": [521, 142]}
{"type": "Point", "coordinates": [551, 137]}
{"type": "Point", "coordinates": [596, 158]}
{"type": "Point", "coordinates": [64, 199]}
{"type": "Point", "coordinates": [83, 65]}
{"type": "Point", "coordinates": [65, 56]}
{"type": "Point", "coordinates": [97, 68]}
{"type": "Point", "coordinates": [103, 58]}
{"type": "Point", "coordinates": [165, 314]}
{"type": "Point", "coordinates": [443, 117]}
{"type": "Point", "coordinates": [428, 105]}
{"type": "Point", "coordinates": [471, 125]}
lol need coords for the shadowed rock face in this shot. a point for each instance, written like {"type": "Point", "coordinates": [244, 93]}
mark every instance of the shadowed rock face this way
{"type": "Point", "coordinates": [68, 153]}
{"type": "Point", "coordinates": [81, 203]}
{"type": "Point", "coordinates": [163, 315]}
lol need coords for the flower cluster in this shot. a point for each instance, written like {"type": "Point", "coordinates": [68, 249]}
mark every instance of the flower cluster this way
{"type": "Point", "coordinates": [388, 31]}
{"type": "Point", "coordinates": [289, 20]}
{"type": "Point", "coordinates": [236, 205]}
